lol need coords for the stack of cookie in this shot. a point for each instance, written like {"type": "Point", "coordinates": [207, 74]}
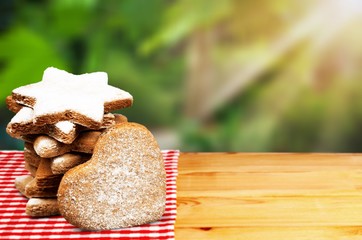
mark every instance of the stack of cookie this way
{"type": "Point", "coordinates": [60, 119]}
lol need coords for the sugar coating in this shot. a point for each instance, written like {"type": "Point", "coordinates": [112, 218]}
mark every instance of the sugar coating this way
{"type": "Point", "coordinates": [60, 91]}
{"type": "Point", "coordinates": [42, 207]}
{"type": "Point", "coordinates": [41, 203]}
{"type": "Point", "coordinates": [25, 115]}
{"type": "Point", "coordinates": [53, 74]}
{"type": "Point", "coordinates": [35, 201]}
{"type": "Point", "coordinates": [21, 178]}
{"type": "Point", "coordinates": [63, 163]}
{"type": "Point", "coordinates": [22, 126]}
{"type": "Point", "coordinates": [43, 145]}
{"type": "Point", "coordinates": [65, 126]}
{"type": "Point", "coordinates": [122, 185]}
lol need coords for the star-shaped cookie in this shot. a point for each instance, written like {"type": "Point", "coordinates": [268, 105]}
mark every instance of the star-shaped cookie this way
{"type": "Point", "coordinates": [81, 99]}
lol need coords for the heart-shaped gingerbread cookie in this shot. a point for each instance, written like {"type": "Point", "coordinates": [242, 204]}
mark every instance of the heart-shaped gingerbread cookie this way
{"type": "Point", "coordinates": [122, 185]}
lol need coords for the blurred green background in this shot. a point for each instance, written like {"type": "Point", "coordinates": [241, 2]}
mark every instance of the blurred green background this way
{"type": "Point", "coordinates": [206, 75]}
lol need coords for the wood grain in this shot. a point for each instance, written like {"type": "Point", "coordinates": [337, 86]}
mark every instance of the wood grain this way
{"type": "Point", "coordinates": [269, 196]}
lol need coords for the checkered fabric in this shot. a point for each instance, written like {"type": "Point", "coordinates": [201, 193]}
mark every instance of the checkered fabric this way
{"type": "Point", "coordinates": [15, 224]}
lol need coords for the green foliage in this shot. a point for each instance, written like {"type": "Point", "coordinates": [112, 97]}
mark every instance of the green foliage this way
{"type": "Point", "coordinates": [305, 97]}
{"type": "Point", "coordinates": [182, 18]}
{"type": "Point", "coordinates": [24, 56]}
{"type": "Point", "coordinates": [90, 35]}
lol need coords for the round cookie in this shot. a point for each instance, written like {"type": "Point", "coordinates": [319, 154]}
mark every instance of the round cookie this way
{"type": "Point", "coordinates": [122, 185]}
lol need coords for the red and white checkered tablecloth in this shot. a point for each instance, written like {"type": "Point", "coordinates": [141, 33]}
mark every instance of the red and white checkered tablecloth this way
{"type": "Point", "coordinates": [15, 224]}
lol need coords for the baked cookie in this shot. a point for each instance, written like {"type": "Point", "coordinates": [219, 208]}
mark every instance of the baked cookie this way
{"type": "Point", "coordinates": [48, 147]}
{"type": "Point", "coordinates": [61, 96]}
{"type": "Point", "coordinates": [32, 189]}
{"type": "Point", "coordinates": [42, 207]}
{"type": "Point", "coordinates": [122, 185]}
{"type": "Point", "coordinates": [22, 127]}
{"type": "Point", "coordinates": [12, 105]}
{"type": "Point", "coordinates": [45, 177]}
{"type": "Point", "coordinates": [30, 155]}
{"type": "Point", "coordinates": [21, 182]}
{"type": "Point", "coordinates": [31, 169]}
{"type": "Point", "coordinates": [62, 163]}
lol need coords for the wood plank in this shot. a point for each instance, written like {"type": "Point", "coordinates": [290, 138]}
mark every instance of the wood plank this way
{"type": "Point", "coordinates": [236, 211]}
{"type": "Point", "coordinates": [269, 196]}
{"type": "Point", "coordinates": [263, 162]}
{"type": "Point", "coordinates": [279, 233]}
{"type": "Point", "coordinates": [272, 173]}
{"type": "Point", "coordinates": [328, 182]}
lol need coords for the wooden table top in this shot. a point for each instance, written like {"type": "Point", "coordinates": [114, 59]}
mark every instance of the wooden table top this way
{"type": "Point", "coordinates": [269, 196]}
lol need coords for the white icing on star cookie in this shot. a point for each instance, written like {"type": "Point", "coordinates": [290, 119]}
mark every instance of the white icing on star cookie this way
{"type": "Point", "coordinates": [81, 99]}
